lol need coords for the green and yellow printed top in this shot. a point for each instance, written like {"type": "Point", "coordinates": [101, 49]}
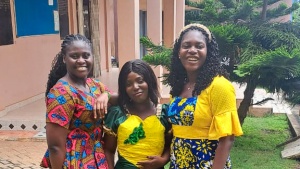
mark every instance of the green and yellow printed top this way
{"type": "Point", "coordinates": [137, 138]}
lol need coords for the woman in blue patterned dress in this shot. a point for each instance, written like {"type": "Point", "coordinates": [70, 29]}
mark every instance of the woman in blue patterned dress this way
{"type": "Point", "coordinates": [203, 104]}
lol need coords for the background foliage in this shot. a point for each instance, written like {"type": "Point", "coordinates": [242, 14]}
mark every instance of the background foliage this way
{"type": "Point", "coordinates": [257, 48]}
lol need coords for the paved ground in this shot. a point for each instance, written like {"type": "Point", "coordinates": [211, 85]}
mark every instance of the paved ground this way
{"type": "Point", "coordinates": [18, 150]}
{"type": "Point", "coordinates": [21, 154]}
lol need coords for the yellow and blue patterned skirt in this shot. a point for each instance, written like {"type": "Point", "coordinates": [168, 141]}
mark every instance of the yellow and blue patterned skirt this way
{"type": "Point", "coordinates": [193, 154]}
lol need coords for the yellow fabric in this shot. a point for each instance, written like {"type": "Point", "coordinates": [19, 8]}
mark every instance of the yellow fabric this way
{"type": "Point", "coordinates": [215, 113]}
{"type": "Point", "coordinates": [153, 144]}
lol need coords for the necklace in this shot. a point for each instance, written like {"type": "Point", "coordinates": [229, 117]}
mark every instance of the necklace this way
{"type": "Point", "coordinates": [192, 85]}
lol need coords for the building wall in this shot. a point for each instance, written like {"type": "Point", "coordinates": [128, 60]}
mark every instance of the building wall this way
{"type": "Point", "coordinates": [24, 66]}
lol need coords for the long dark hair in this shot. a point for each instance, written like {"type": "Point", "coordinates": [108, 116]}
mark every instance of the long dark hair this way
{"type": "Point", "coordinates": [143, 69]}
{"type": "Point", "coordinates": [59, 69]}
{"type": "Point", "coordinates": [211, 67]}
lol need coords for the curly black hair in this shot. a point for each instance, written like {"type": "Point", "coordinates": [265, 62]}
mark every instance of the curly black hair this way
{"type": "Point", "coordinates": [59, 69]}
{"type": "Point", "coordinates": [143, 69]}
{"type": "Point", "coordinates": [212, 66]}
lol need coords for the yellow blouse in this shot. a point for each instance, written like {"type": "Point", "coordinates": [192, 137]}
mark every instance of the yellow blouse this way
{"type": "Point", "coordinates": [215, 114]}
{"type": "Point", "coordinates": [153, 144]}
{"type": "Point", "coordinates": [122, 126]}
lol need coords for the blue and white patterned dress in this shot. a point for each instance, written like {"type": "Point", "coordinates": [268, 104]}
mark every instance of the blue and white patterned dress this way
{"type": "Point", "coordinates": [199, 122]}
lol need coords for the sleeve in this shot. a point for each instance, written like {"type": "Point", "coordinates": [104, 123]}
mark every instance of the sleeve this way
{"type": "Point", "coordinates": [113, 119]}
{"type": "Point", "coordinates": [163, 117]}
{"type": "Point", "coordinates": [225, 120]}
{"type": "Point", "coordinates": [101, 86]}
{"type": "Point", "coordinates": [60, 107]}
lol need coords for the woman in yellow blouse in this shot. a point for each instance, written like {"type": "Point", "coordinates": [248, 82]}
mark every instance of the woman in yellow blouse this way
{"type": "Point", "coordinates": [138, 127]}
{"type": "Point", "coordinates": [203, 104]}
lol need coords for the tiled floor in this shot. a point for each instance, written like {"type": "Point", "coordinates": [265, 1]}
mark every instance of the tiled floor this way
{"type": "Point", "coordinates": [12, 135]}
{"type": "Point", "coordinates": [21, 154]}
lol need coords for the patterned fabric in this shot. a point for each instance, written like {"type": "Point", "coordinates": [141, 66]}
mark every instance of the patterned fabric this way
{"type": "Point", "coordinates": [199, 122]}
{"type": "Point", "coordinates": [122, 126]}
{"type": "Point", "coordinates": [72, 108]}
{"type": "Point", "coordinates": [194, 153]}
{"type": "Point", "coordinates": [186, 108]}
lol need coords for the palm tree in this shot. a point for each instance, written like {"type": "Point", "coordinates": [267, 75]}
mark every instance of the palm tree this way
{"type": "Point", "coordinates": [256, 51]}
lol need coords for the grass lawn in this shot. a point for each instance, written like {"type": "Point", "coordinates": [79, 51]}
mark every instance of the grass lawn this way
{"type": "Point", "coordinates": [256, 149]}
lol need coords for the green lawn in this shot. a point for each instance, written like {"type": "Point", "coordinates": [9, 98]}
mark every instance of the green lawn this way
{"type": "Point", "coordinates": [256, 149]}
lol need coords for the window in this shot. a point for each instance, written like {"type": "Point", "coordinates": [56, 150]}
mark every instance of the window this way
{"type": "Point", "coordinates": [36, 17]}
{"type": "Point", "coordinates": [63, 18]}
{"type": "Point", "coordinates": [6, 33]}
{"type": "Point", "coordinates": [143, 31]}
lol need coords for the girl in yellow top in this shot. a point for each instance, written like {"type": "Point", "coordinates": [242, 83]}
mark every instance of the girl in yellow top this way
{"type": "Point", "coordinates": [138, 127]}
{"type": "Point", "coordinates": [203, 104]}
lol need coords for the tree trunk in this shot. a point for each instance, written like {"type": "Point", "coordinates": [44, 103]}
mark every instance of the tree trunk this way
{"type": "Point", "coordinates": [264, 10]}
{"type": "Point", "coordinates": [232, 56]}
{"type": "Point", "coordinates": [246, 102]}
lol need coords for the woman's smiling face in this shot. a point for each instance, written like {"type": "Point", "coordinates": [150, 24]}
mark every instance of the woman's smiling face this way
{"type": "Point", "coordinates": [193, 50]}
{"type": "Point", "coordinates": [78, 59]}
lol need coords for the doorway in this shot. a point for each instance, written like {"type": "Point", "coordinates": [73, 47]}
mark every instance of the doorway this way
{"type": "Point", "coordinates": [86, 19]}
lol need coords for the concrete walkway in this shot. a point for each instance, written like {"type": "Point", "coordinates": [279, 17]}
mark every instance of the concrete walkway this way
{"type": "Point", "coordinates": [21, 154]}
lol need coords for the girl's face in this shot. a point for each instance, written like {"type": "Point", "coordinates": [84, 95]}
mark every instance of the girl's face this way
{"type": "Point", "coordinates": [78, 59]}
{"type": "Point", "coordinates": [193, 50]}
{"type": "Point", "coordinates": [137, 88]}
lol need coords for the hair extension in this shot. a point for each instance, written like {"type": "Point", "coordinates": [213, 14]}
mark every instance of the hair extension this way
{"type": "Point", "coordinates": [143, 69]}
{"type": "Point", "coordinates": [211, 67]}
{"type": "Point", "coordinates": [58, 68]}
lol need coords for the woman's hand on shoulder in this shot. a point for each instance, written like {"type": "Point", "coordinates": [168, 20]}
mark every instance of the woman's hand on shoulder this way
{"type": "Point", "coordinates": [100, 105]}
{"type": "Point", "coordinates": [153, 162]}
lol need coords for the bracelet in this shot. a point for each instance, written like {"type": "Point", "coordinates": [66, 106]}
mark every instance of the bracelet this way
{"type": "Point", "coordinates": [108, 94]}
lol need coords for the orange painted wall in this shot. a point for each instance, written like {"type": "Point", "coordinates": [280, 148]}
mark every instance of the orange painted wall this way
{"type": "Point", "coordinates": [24, 67]}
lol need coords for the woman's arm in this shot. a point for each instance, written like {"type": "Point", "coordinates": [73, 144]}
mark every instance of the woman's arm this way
{"type": "Point", "coordinates": [158, 161]}
{"type": "Point", "coordinates": [101, 104]}
{"type": "Point", "coordinates": [110, 146]}
{"type": "Point", "coordinates": [166, 153]}
{"type": "Point", "coordinates": [113, 100]}
{"type": "Point", "coordinates": [168, 139]}
{"type": "Point", "coordinates": [56, 140]}
{"type": "Point", "coordinates": [222, 152]}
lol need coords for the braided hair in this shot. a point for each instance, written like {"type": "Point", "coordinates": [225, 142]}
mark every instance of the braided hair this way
{"type": "Point", "coordinates": [59, 69]}
{"type": "Point", "coordinates": [212, 66]}
{"type": "Point", "coordinates": [143, 69]}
